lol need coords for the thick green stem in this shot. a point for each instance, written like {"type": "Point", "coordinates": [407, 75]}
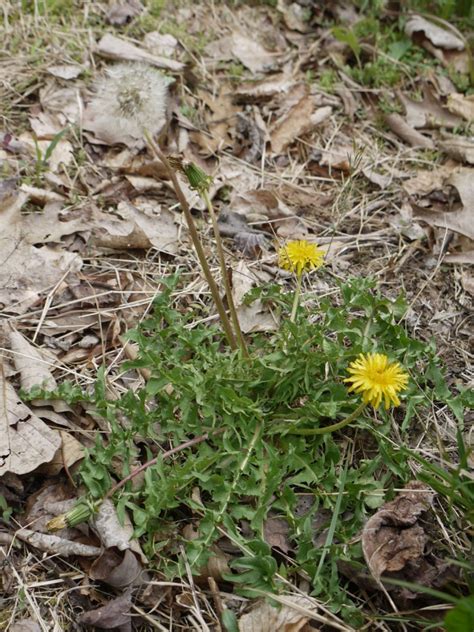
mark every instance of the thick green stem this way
{"type": "Point", "coordinates": [195, 239]}
{"type": "Point", "coordinates": [296, 297]}
{"type": "Point", "coordinates": [220, 252]}
{"type": "Point", "coordinates": [332, 427]}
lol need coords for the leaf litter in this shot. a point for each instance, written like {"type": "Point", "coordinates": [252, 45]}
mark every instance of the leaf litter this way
{"type": "Point", "coordinates": [296, 147]}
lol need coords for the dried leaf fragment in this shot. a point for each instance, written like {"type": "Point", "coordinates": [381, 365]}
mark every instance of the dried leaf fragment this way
{"type": "Point", "coordinates": [436, 34]}
{"type": "Point", "coordinates": [392, 537]}
{"type": "Point", "coordinates": [25, 441]}
{"type": "Point", "coordinates": [266, 618]}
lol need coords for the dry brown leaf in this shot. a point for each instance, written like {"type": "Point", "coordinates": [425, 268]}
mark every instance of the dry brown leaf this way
{"type": "Point", "coordinates": [154, 227]}
{"type": "Point", "coordinates": [458, 147]}
{"type": "Point", "coordinates": [117, 569]}
{"type": "Point", "coordinates": [219, 118]}
{"type": "Point", "coordinates": [461, 105]}
{"type": "Point", "coordinates": [30, 363]}
{"type": "Point", "coordinates": [253, 317]}
{"type": "Point", "coordinates": [266, 618]}
{"type": "Point", "coordinates": [428, 113]}
{"type": "Point", "coordinates": [119, 49]}
{"type": "Point", "coordinates": [26, 442]}
{"type": "Point", "coordinates": [276, 533]}
{"type": "Point", "coordinates": [302, 118]}
{"type": "Point", "coordinates": [56, 545]}
{"type": "Point", "coordinates": [437, 35]}
{"type": "Point", "coordinates": [26, 271]}
{"type": "Point", "coordinates": [123, 12]}
{"type": "Point", "coordinates": [427, 181]}
{"type": "Point", "coordinates": [392, 537]}
{"type": "Point", "coordinates": [407, 133]}
{"type": "Point", "coordinates": [70, 452]}
{"type": "Point", "coordinates": [115, 614]}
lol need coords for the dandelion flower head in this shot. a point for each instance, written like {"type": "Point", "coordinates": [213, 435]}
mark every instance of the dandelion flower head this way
{"type": "Point", "coordinates": [132, 97]}
{"type": "Point", "coordinates": [376, 378]}
{"type": "Point", "coordinates": [300, 256]}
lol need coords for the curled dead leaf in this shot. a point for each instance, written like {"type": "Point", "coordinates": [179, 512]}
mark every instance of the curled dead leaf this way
{"type": "Point", "coordinates": [393, 537]}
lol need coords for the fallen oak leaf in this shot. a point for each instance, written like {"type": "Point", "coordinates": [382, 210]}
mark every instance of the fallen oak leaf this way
{"type": "Point", "coordinates": [392, 537]}
{"type": "Point", "coordinates": [26, 442]}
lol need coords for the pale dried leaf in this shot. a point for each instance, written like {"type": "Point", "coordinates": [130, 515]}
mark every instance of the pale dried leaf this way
{"type": "Point", "coordinates": [428, 113]}
{"type": "Point", "coordinates": [251, 54]}
{"type": "Point", "coordinates": [33, 367]}
{"type": "Point", "coordinates": [112, 533]}
{"type": "Point", "coordinates": [461, 105]}
{"type": "Point", "coordinates": [26, 442]}
{"type": "Point", "coordinates": [65, 102]}
{"type": "Point", "coordinates": [266, 618]}
{"type": "Point", "coordinates": [392, 537]}
{"type": "Point", "coordinates": [160, 44]}
{"type": "Point", "coordinates": [25, 625]}
{"type": "Point", "coordinates": [294, 15]}
{"type": "Point", "coordinates": [264, 90]}
{"type": "Point", "coordinates": [253, 317]}
{"type": "Point", "coordinates": [65, 71]}
{"type": "Point", "coordinates": [70, 452]}
{"type": "Point", "coordinates": [118, 49]}
{"type": "Point", "coordinates": [427, 181]}
{"type": "Point", "coordinates": [458, 147]}
{"type": "Point", "coordinates": [437, 35]}
{"type": "Point", "coordinates": [140, 230]}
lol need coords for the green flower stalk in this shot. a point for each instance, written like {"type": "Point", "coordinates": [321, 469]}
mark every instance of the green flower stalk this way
{"type": "Point", "coordinates": [201, 182]}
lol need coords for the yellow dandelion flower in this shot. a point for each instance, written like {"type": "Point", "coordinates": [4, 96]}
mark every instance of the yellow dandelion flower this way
{"type": "Point", "coordinates": [373, 375]}
{"type": "Point", "coordinates": [300, 256]}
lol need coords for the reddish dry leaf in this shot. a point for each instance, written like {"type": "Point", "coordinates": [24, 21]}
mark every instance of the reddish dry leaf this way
{"type": "Point", "coordinates": [393, 537]}
{"type": "Point", "coordinates": [295, 123]}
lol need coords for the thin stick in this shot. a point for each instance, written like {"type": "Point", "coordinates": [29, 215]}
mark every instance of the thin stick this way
{"type": "Point", "coordinates": [195, 239]}
{"type": "Point", "coordinates": [220, 252]}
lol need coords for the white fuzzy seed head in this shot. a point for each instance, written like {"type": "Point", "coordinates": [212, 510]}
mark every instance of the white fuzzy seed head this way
{"type": "Point", "coordinates": [131, 98]}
